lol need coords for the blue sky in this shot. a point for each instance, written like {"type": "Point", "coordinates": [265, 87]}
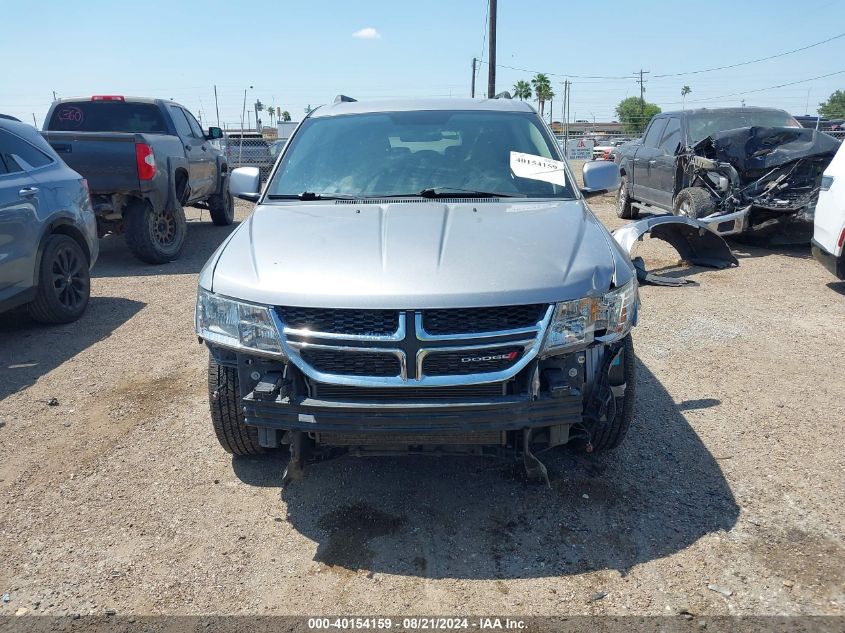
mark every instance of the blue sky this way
{"type": "Point", "coordinates": [295, 53]}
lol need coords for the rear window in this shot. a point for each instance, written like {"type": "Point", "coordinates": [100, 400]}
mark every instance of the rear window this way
{"type": "Point", "coordinates": [107, 116]}
{"type": "Point", "coordinates": [703, 125]}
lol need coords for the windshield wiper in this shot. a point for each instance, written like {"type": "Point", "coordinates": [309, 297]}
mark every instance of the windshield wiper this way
{"type": "Point", "coordinates": [310, 195]}
{"type": "Point", "coordinates": [449, 192]}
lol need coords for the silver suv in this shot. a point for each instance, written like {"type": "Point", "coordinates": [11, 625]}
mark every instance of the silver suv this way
{"type": "Point", "coordinates": [419, 276]}
{"type": "Point", "coordinates": [48, 232]}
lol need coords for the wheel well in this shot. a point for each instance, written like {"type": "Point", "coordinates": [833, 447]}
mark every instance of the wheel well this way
{"type": "Point", "coordinates": [72, 232]}
{"type": "Point", "coordinates": [181, 184]}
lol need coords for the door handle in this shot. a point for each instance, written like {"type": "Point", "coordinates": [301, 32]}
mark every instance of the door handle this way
{"type": "Point", "coordinates": [636, 160]}
{"type": "Point", "coordinates": [204, 148]}
{"type": "Point", "coordinates": [652, 162]}
{"type": "Point", "coordinates": [28, 192]}
{"type": "Point", "coordinates": [188, 147]}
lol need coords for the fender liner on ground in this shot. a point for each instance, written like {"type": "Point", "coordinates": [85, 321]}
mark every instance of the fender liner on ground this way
{"type": "Point", "coordinates": [693, 239]}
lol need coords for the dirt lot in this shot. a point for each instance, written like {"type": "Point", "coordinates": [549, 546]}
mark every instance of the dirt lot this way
{"type": "Point", "coordinates": [120, 498]}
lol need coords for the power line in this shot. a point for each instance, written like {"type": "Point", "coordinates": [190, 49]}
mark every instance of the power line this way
{"type": "Point", "coordinates": [745, 92]}
{"type": "Point", "coordinates": [484, 36]}
{"type": "Point", "coordinates": [753, 61]}
{"type": "Point", "coordinates": [525, 70]}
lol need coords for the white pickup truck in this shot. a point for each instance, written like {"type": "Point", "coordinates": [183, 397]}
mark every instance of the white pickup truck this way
{"type": "Point", "coordinates": [829, 224]}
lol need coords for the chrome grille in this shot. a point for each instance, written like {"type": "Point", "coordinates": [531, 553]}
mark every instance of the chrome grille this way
{"type": "Point", "coordinates": [344, 363]}
{"type": "Point", "coordinates": [463, 362]}
{"type": "Point", "coordinates": [467, 320]}
{"type": "Point", "coordinates": [357, 322]}
{"type": "Point", "coordinates": [413, 348]}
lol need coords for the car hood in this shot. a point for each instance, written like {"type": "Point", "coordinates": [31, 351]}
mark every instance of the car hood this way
{"type": "Point", "coordinates": [406, 255]}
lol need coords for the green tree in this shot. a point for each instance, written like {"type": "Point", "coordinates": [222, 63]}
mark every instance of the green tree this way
{"type": "Point", "coordinates": [834, 107]}
{"type": "Point", "coordinates": [285, 115]}
{"type": "Point", "coordinates": [684, 92]}
{"type": "Point", "coordinates": [635, 113]}
{"type": "Point", "coordinates": [271, 110]}
{"type": "Point", "coordinates": [522, 90]}
{"type": "Point", "coordinates": [542, 90]}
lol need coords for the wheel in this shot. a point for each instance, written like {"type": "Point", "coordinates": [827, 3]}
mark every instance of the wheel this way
{"type": "Point", "coordinates": [222, 206]}
{"type": "Point", "coordinates": [611, 435]}
{"type": "Point", "coordinates": [694, 203]}
{"type": "Point", "coordinates": [64, 283]}
{"type": "Point", "coordinates": [224, 400]}
{"type": "Point", "coordinates": [624, 208]}
{"type": "Point", "coordinates": [155, 237]}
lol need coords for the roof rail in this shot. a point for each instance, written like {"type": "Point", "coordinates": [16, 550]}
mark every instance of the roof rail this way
{"type": "Point", "coordinates": [503, 95]}
{"type": "Point", "coordinates": [344, 99]}
{"type": "Point", "coordinates": [9, 117]}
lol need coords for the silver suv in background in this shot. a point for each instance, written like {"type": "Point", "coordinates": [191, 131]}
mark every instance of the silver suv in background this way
{"type": "Point", "coordinates": [48, 232]}
{"type": "Point", "coordinates": [419, 276]}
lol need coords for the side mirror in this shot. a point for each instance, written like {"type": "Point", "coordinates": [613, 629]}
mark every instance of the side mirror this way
{"type": "Point", "coordinates": [245, 183]}
{"type": "Point", "coordinates": [214, 133]}
{"type": "Point", "coordinates": [599, 176]}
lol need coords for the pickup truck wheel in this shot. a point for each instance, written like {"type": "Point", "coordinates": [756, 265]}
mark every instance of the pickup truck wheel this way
{"type": "Point", "coordinates": [224, 399]}
{"type": "Point", "coordinates": [611, 435]}
{"type": "Point", "coordinates": [624, 208]}
{"type": "Point", "coordinates": [694, 203]}
{"type": "Point", "coordinates": [222, 207]}
{"type": "Point", "coordinates": [155, 237]}
{"type": "Point", "coordinates": [64, 284]}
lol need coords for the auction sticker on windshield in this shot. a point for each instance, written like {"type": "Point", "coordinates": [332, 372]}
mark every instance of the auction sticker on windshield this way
{"type": "Point", "coordinates": [538, 168]}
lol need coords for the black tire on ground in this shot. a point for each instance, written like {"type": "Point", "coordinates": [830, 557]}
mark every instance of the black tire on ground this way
{"type": "Point", "coordinates": [624, 208]}
{"type": "Point", "coordinates": [694, 203]}
{"type": "Point", "coordinates": [611, 435]}
{"type": "Point", "coordinates": [64, 284]}
{"type": "Point", "coordinates": [224, 400]}
{"type": "Point", "coordinates": [155, 237]}
{"type": "Point", "coordinates": [222, 207]}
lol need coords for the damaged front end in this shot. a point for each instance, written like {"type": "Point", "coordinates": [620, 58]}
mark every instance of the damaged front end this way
{"type": "Point", "coordinates": [760, 178]}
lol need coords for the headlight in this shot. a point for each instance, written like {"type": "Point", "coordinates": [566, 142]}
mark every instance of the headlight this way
{"type": "Point", "coordinates": [576, 323]}
{"type": "Point", "coordinates": [236, 324]}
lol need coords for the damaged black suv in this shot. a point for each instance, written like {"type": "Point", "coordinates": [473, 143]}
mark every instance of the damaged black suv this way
{"type": "Point", "coordinates": [740, 170]}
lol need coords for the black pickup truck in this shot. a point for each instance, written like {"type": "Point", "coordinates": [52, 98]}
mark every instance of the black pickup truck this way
{"type": "Point", "coordinates": [144, 159]}
{"type": "Point", "coordinates": [740, 170]}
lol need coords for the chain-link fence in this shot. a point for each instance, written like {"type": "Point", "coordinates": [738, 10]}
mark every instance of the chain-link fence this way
{"type": "Point", "coordinates": [252, 150]}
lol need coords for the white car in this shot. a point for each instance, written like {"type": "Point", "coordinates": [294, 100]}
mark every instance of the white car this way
{"type": "Point", "coordinates": [829, 229]}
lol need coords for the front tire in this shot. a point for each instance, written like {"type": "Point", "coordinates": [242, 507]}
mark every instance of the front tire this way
{"type": "Point", "coordinates": [155, 237]}
{"type": "Point", "coordinates": [610, 436]}
{"type": "Point", "coordinates": [64, 282]}
{"type": "Point", "coordinates": [224, 399]}
{"type": "Point", "coordinates": [222, 207]}
{"type": "Point", "coordinates": [624, 208]}
{"type": "Point", "coordinates": [694, 203]}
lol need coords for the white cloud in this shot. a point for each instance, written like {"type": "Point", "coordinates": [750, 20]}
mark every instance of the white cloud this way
{"type": "Point", "coordinates": [368, 33]}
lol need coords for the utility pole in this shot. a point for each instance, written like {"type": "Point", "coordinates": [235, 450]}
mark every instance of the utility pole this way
{"type": "Point", "coordinates": [216, 107]}
{"type": "Point", "coordinates": [472, 94]}
{"type": "Point", "coordinates": [642, 92]}
{"type": "Point", "coordinates": [491, 55]}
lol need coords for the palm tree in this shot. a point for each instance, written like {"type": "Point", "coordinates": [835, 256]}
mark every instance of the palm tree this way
{"type": "Point", "coordinates": [522, 90]}
{"type": "Point", "coordinates": [271, 110]}
{"type": "Point", "coordinates": [285, 115]}
{"type": "Point", "coordinates": [542, 90]}
{"type": "Point", "coordinates": [684, 92]}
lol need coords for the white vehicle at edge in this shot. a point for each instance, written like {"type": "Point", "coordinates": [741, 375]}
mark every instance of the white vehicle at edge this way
{"type": "Point", "coordinates": [829, 229]}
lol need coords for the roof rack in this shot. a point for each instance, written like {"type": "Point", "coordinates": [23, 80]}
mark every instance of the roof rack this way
{"type": "Point", "coordinates": [344, 99]}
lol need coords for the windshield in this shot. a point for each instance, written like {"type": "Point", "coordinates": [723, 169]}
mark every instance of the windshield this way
{"type": "Point", "coordinates": [704, 124]}
{"type": "Point", "coordinates": [107, 116]}
{"type": "Point", "coordinates": [405, 153]}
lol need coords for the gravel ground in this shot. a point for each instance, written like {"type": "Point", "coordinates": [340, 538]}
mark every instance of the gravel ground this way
{"type": "Point", "coordinates": [119, 496]}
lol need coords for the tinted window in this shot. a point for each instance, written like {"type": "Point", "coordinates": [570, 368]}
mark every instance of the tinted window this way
{"type": "Point", "coordinates": [402, 153]}
{"type": "Point", "coordinates": [18, 155]}
{"type": "Point", "coordinates": [107, 116]}
{"type": "Point", "coordinates": [652, 136]}
{"type": "Point", "coordinates": [183, 128]}
{"type": "Point", "coordinates": [671, 136]}
{"type": "Point", "coordinates": [196, 128]}
{"type": "Point", "coordinates": [703, 124]}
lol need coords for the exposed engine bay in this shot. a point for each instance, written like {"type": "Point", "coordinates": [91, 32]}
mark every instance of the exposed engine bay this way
{"type": "Point", "coordinates": [760, 177]}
